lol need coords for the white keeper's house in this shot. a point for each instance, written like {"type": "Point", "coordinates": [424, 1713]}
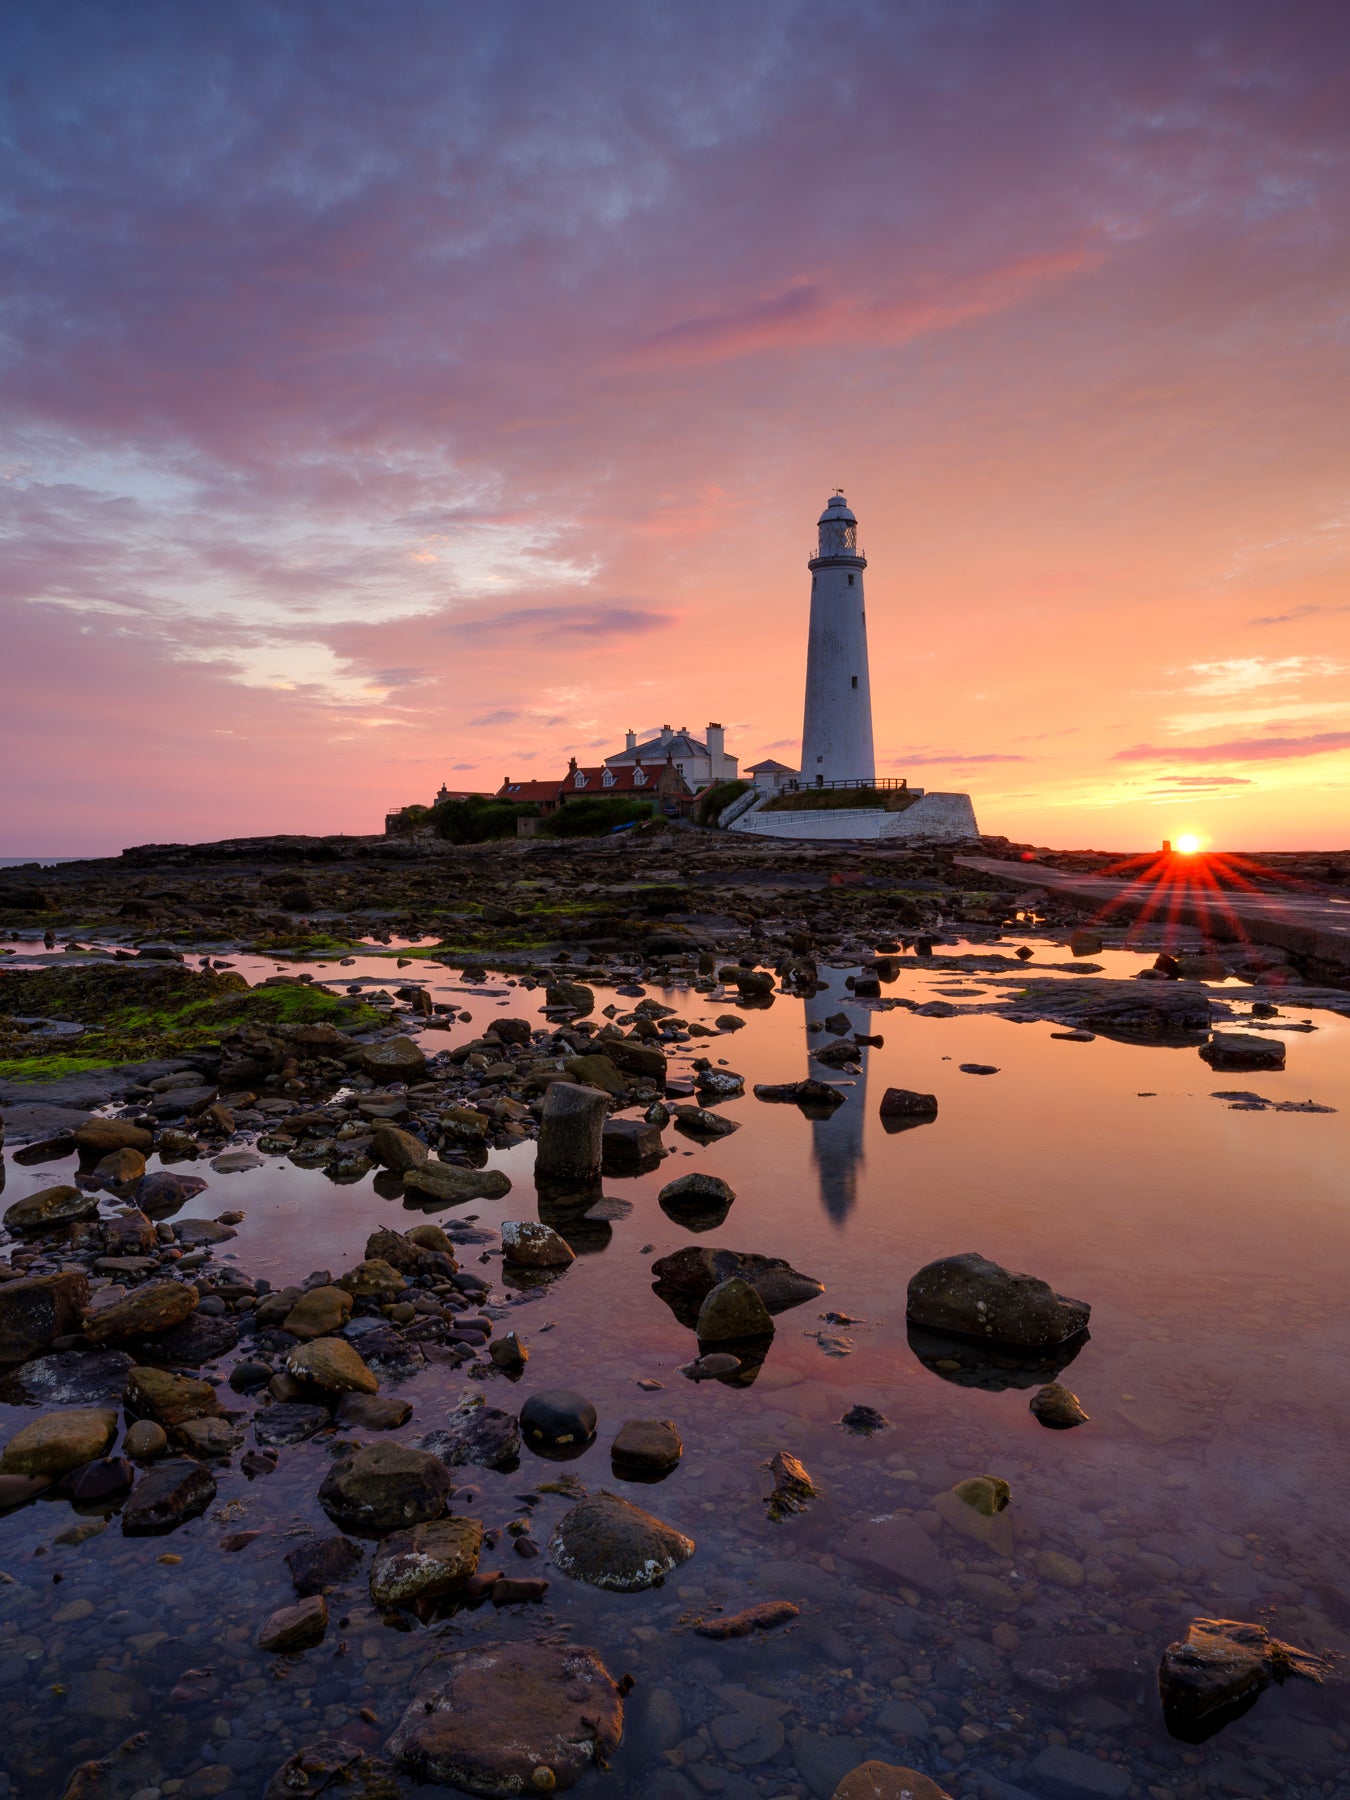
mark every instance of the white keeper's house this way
{"type": "Point", "coordinates": [701, 763]}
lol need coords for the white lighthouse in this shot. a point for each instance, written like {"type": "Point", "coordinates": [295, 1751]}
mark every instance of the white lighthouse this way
{"type": "Point", "coordinates": [837, 726]}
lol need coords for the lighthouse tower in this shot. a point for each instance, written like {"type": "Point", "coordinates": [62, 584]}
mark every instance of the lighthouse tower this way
{"type": "Point", "coordinates": [837, 727]}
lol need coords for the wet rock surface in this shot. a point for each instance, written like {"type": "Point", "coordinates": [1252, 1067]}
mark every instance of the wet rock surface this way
{"type": "Point", "coordinates": [610, 1543]}
{"type": "Point", "coordinates": [492, 1716]}
{"type": "Point", "coordinates": [1219, 1670]}
{"type": "Point", "coordinates": [384, 1487]}
{"type": "Point", "coordinates": [970, 1296]}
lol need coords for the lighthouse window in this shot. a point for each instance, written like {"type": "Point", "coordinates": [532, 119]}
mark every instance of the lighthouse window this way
{"type": "Point", "coordinates": [855, 681]}
{"type": "Point", "coordinates": [850, 581]}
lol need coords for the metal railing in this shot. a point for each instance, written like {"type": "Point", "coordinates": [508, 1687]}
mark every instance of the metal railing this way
{"type": "Point", "coordinates": [897, 783]}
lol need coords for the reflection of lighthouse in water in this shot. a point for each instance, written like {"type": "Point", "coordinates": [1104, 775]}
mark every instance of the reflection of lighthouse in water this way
{"type": "Point", "coordinates": [837, 1142]}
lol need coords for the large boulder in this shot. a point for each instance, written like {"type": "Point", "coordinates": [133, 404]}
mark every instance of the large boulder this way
{"type": "Point", "coordinates": [60, 1441]}
{"type": "Point", "coordinates": [686, 1277]}
{"type": "Point", "coordinates": [645, 1060]}
{"type": "Point", "coordinates": [526, 1244]}
{"type": "Point", "coordinates": [161, 1193]}
{"type": "Point", "coordinates": [610, 1543]}
{"type": "Point", "coordinates": [699, 1202]}
{"type": "Point", "coordinates": [629, 1147]}
{"type": "Point", "coordinates": [50, 1209]}
{"type": "Point", "coordinates": [573, 995]}
{"type": "Point", "coordinates": [398, 1150]}
{"type": "Point", "coordinates": [733, 1309]}
{"type": "Point", "coordinates": [487, 1719]}
{"type": "Point", "coordinates": [969, 1296]}
{"type": "Point", "coordinates": [147, 1309]}
{"type": "Point", "coordinates": [1243, 1050]}
{"type": "Point", "coordinates": [35, 1311]}
{"type": "Point", "coordinates": [438, 1183]}
{"type": "Point", "coordinates": [396, 1059]}
{"type": "Point", "coordinates": [97, 1138]}
{"type": "Point", "coordinates": [318, 1313]}
{"type": "Point", "coordinates": [381, 1488]}
{"type": "Point", "coordinates": [373, 1279]}
{"type": "Point", "coordinates": [645, 1449]}
{"type": "Point", "coordinates": [1220, 1669]}
{"type": "Point", "coordinates": [169, 1399]}
{"type": "Point", "coordinates": [333, 1365]}
{"type": "Point", "coordinates": [571, 1134]}
{"type": "Point", "coordinates": [425, 1562]}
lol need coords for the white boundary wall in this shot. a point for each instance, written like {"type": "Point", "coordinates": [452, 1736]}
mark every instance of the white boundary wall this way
{"type": "Point", "coordinates": [936, 818]}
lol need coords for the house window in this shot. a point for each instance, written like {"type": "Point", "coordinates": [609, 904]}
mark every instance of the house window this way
{"type": "Point", "coordinates": [679, 768]}
{"type": "Point", "coordinates": [855, 681]}
{"type": "Point", "coordinates": [579, 780]}
{"type": "Point", "coordinates": [639, 779]}
{"type": "Point", "coordinates": [608, 776]}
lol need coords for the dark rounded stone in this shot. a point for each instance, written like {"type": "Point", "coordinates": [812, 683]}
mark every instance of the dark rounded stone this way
{"type": "Point", "coordinates": [558, 1420]}
{"type": "Point", "coordinates": [319, 1564]}
{"type": "Point", "coordinates": [160, 1194]}
{"type": "Point", "coordinates": [107, 1479]}
{"type": "Point", "coordinates": [245, 1376]}
{"type": "Point", "coordinates": [385, 1487]}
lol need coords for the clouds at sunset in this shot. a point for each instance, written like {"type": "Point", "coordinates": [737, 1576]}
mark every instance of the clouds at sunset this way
{"type": "Point", "coordinates": [392, 391]}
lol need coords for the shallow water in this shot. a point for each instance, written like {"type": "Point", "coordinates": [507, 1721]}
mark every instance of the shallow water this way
{"type": "Point", "coordinates": [1212, 1244]}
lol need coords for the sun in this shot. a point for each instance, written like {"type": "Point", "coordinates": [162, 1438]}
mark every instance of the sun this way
{"type": "Point", "coordinates": [1188, 843]}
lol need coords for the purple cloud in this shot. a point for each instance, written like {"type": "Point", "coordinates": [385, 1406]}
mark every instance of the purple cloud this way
{"type": "Point", "coordinates": [1240, 750]}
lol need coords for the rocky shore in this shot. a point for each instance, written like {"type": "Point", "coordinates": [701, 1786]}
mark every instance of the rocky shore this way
{"type": "Point", "coordinates": [147, 1366]}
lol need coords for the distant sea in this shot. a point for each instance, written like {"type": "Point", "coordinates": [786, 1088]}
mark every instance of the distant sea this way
{"type": "Point", "coordinates": [46, 862]}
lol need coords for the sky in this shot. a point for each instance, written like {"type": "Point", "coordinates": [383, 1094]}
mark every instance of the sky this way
{"type": "Point", "coordinates": [396, 393]}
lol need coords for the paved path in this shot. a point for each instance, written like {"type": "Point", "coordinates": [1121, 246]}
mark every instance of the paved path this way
{"type": "Point", "coordinates": [1316, 926]}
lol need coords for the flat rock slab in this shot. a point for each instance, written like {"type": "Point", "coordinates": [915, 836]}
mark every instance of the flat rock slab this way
{"type": "Point", "coordinates": [68, 1378]}
{"type": "Point", "coordinates": [489, 1717]}
{"type": "Point", "coordinates": [1064, 1774]}
{"type": "Point", "coordinates": [29, 1121]}
{"type": "Point", "coordinates": [291, 1422]}
{"type": "Point", "coordinates": [484, 1436]}
{"type": "Point", "coordinates": [1058, 1664]}
{"type": "Point", "coordinates": [899, 1550]}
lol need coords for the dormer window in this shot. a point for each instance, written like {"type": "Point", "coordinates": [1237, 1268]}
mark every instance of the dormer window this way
{"type": "Point", "coordinates": [639, 779]}
{"type": "Point", "coordinates": [608, 778]}
{"type": "Point", "coordinates": [579, 780]}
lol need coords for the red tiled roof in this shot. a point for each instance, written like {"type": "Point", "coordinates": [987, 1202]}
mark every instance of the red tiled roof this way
{"type": "Point", "coordinates": [528, 790]}
{"type": "Point", "coordinates": [623, 779]}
